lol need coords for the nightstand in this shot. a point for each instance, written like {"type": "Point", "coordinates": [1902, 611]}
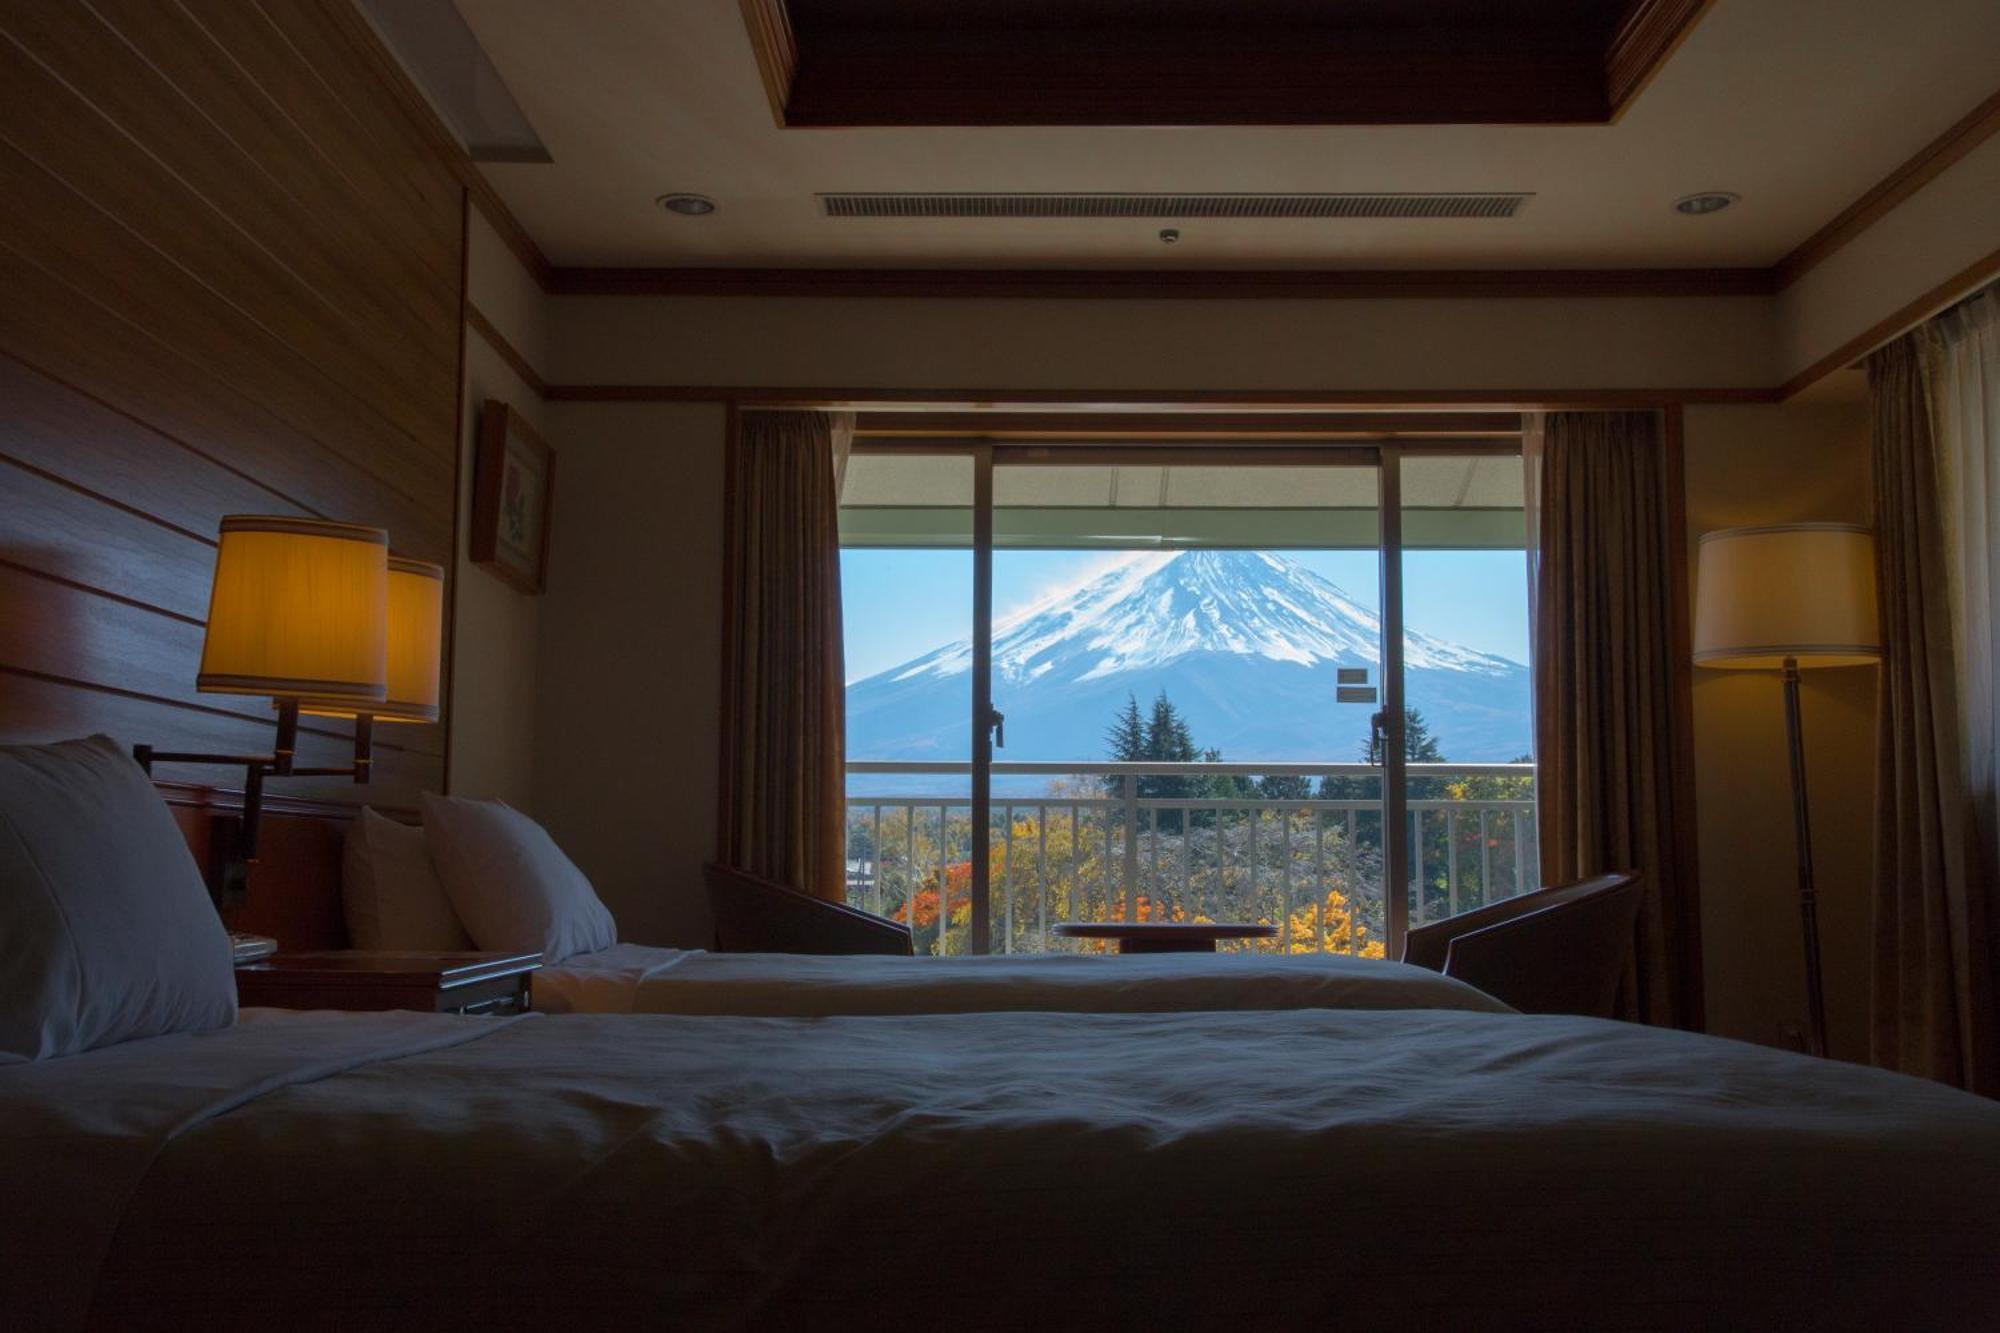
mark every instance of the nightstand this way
{"type": "Point", "coordinates": [453, 983]}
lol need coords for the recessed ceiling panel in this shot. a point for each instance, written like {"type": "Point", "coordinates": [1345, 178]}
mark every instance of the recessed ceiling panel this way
{"type": "Point", "coordinates": [1209, 62]}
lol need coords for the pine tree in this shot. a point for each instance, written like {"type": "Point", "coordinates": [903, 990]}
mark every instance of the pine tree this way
{"type": "Point", "coordinates": [1125, 738]}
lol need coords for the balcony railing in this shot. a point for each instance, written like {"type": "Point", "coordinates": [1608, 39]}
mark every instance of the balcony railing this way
{"type": "Point", "coordinates": [1298, 845]}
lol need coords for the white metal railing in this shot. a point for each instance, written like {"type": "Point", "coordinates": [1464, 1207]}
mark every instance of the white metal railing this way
{"type": "Point", "coordinates": [1202, 844]}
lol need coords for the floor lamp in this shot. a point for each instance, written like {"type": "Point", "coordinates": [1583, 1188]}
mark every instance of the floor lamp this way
{"type": "Point", "coordinates": [1789, 598]}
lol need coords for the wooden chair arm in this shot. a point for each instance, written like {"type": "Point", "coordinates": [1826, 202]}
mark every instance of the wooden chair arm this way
{"type": "Point", "coordinates": [755, 915]}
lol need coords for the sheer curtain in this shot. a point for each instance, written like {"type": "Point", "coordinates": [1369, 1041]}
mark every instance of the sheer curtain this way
{"type": "Point", "coordinates": [1935, 927]}
{"type": "Point", "coordinates": [1932, 977]}
{"type": "Point", "coordinates": [784, 746]}
{"type": "Point", "coordinates": [1966, 391]}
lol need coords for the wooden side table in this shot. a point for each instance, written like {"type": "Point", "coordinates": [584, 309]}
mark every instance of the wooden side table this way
{"type": "Point", "coordinates": [453, 983]}
{"type": "Point", "coordinates": [1166, 936]}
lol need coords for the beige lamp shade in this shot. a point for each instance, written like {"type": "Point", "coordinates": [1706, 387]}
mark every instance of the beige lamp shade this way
{"type": "Point", "coordinates": [1803, 590]}
{"type": "Point", "coordinates": [299, 608]}
{"type": "Point", "coordinates": [416, 639]}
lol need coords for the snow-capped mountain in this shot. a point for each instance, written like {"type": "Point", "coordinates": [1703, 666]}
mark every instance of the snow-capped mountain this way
{"type": "Point", "coordinates": [1244, 642]}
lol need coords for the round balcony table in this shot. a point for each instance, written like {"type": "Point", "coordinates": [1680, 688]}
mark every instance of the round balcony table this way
{"type": "Point", "coordinates": [1165, 936]}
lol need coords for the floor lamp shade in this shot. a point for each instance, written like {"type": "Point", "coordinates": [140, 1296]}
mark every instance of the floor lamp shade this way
{"type": "Point", "coordinates": [299, 609]}
{"type": "Point", "coordinates": [1803, 591]}
{"type": "Point", "coordinates": [415, 648]}
{"type": "Point", "coordinates": [1798, 595]}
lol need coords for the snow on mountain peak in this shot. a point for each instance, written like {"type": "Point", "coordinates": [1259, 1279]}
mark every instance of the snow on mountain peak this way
{"type": "Point", "coordinates": [1160, 606]}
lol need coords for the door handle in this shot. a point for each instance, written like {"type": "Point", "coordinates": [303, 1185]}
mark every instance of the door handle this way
{"type": "Point", "coordinates": [997, 722]}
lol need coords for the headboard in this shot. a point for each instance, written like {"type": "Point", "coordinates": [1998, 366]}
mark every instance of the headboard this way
{"type": "Point", "coordinates": [294, 893]}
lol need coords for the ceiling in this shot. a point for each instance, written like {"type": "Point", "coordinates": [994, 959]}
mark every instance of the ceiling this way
{"type": "Point", "coordinates": [1800, 106]}
{"type": "Point", "coordinates": [1208, 62]}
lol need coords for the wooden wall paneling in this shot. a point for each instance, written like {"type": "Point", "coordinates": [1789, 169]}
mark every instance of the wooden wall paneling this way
{"type": "Point", "coordinates": [147, 397]}
{"type": "Point", "coordinates": [99, 202]}
{"type": "Point", "coordinates": [232, 258]}
{"type": "Point", "coordinates": [58, 433]}
{"type": "Point", "coordinates": [402, 253]}
{"type": "Point", "coordinates": [391, 115]}
{"type": "Point", "coordinates": [341, 104]}
{"type": "Point", "coordinates": [36, 709]}
{"type": "Point", "coordinates": [67, 234]}
{"type": "Point", "coordinates": [63, 533]}
{"type": "Point", "coordinates": [65, 632]}
{"type": "Point", "coordinates": [132, 97]}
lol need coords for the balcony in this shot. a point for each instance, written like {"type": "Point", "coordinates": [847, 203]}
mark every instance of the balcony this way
{"type": "Point", "coordinates": [1296, 845]}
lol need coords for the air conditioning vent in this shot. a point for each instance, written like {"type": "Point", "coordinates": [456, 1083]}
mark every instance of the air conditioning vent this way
{"type": "Point", "coordinates": [1171, 205]}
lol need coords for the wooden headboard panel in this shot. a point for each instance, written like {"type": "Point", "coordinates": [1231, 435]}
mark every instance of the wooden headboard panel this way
{"type": "Point", "coordinates": [231, 258]}
{"type": "Point", "coordinates": [294, 893]}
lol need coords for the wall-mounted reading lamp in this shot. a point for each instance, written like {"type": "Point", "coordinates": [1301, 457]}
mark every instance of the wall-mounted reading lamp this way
{"type": "Point", "coordinates": [322, 619]}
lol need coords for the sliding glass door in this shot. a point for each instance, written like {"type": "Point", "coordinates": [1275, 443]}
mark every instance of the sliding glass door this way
{"type": "Point", "coordinates": [1174, 684]}
{"type": "Point", "coordinates": [1188, 653]}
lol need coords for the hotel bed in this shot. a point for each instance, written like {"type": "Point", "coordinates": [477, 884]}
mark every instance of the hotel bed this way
{"type": "Point", "coordinates": [635, 978]}
{"type": "Point", "coordinates": [1402, 1168]}
{"type": "Point", "coordinates": [169, 1162]}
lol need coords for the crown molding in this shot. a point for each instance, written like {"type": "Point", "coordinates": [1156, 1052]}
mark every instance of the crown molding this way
{"type": "Point", "coordinates": [1161, 284]}
{"type": "Point", "coordinates": [879, 398]}
{"type": "Point", "coordinates": [1929, 162]}
{"type": "Point", "coordinates": [1650, 34]}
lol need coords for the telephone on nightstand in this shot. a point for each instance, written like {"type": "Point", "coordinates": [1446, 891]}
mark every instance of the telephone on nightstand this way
{"type": "Point", "coordinates": [249, 948]}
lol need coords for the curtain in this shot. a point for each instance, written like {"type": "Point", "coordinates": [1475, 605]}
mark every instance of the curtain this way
{"type": "Point", "coordinates": [784, 750]}
{"type": "Point", "coordinates": [1932, 996]}
{"type": "Point", "coordinates": [1607, 708]}
{"type": "Point", "coordinates": [1534, 428]}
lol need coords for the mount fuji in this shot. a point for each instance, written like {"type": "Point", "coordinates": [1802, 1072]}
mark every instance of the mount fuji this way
{"type": "Point", "coordinates": [1245, 643]}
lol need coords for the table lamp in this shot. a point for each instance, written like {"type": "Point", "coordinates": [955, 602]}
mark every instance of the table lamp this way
{"type": "Point", "coordinates": [298, 611]}
{"type": "Point", "coordinates": [412, 657]}
{"type": "Point", "coordinates": [1788, 598]}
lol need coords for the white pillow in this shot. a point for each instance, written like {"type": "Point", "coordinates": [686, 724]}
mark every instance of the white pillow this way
{"type": "Point", "coordinates": [106, 930]}
{"type": "Point", "coordinates": [390, 891]}
{"type": "Point", "coordinates": [512, 887]}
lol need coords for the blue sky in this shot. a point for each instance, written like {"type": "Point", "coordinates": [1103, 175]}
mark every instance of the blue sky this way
{"type": "Point", "coordinates": [900, 604]}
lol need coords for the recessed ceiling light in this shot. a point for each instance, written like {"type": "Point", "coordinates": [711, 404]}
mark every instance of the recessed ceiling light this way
{"type": "Point", "coordinates": [687, 205]}
{"type": "Point", "coordinates": [1708, 201]}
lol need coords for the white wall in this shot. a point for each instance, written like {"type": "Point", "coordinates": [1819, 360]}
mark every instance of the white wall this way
{"type": "Point", "coordinates": [629, 674]}
{"type": "Point", "coordinates": [496, 629]}
{"type": "Point", "coordinates": [1166, 344]}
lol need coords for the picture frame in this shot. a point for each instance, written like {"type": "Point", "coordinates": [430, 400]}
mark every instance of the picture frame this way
{"type": "Point", "coordinates": [513, 494]}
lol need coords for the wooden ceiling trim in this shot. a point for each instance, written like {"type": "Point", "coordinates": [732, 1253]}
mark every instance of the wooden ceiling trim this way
{"type": "Point", "coordinates": [1185, 284]}
{"type": "Point", "coordinates": [1893, 326]}
{"type": "Point", "coordinates": [1650, 34]}
{"type": "Point", "coordinates": [1969, 132]}
{"type": "Point", "coordinates": [476, 320]}
{"type": "Point", "coordinates": [776, 47]}
{"type": "Point", "coordinates": [865, 398]}
{"type": "Point", "coordinates": [1183, 425]}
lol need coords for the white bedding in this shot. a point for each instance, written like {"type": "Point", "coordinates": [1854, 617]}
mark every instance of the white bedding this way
{"type": "Point", "coordinates": [1401, 1168]}
{"type": "Point", "coordinates": [635, 978]}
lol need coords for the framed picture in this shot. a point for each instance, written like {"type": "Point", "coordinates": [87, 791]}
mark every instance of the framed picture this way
{"type": "Point", "coordinates": [513, 485]}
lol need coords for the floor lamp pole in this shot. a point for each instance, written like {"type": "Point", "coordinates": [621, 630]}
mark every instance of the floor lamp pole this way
{"type": "Point", "coordinates": [1802, 833]}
